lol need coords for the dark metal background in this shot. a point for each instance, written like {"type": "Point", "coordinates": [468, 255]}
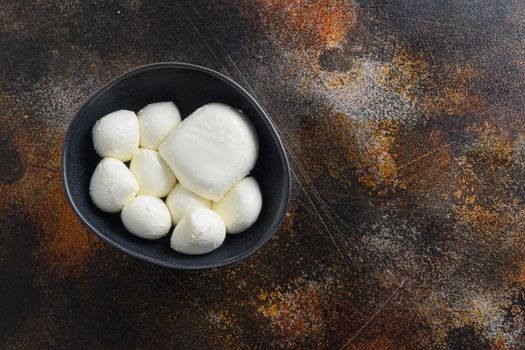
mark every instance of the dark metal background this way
{"type": "Point", "coordinates": [404, 122]}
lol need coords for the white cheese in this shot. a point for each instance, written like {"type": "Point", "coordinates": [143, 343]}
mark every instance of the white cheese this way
{"type": "Point", "coordinates": [116, 135]}
{"type": "Point", "coordinates": [146, 217]}
{"type": "Point", "coordinates": [156, 121]}
{"type": "Point", "coordinates": [211, 150]}
{"type": "Point", "coordinates": [112, 185]}
{"type": "Point", "coordinates": [153, 175]}
{"type": "Point", "coordinates": [200, 231]}
{"type": "Point", "coordinates": [240, 207]}
{"type": "Point", "coordinates": [181, 201]}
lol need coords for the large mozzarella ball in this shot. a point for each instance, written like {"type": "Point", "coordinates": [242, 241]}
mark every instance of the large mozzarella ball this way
{"type": "Point", "coordinates": [211, 150]}
{"type": "Point", "coordinates": [117, 135]}
{"type": "Point", "coordinates": [112, 185]}
{"type": "Point", "coordinates": [154, 176]}
{"type": "Point", "coordinates": [156, 121]}
{"type": "Point", "coordinates": [146, 217]}
{"type": "Point", "coordinates": [181, 201]}
{"type": "Point", "coordinates": [240, 207]}
{"type": "Point", "coordinates": [199, 232]}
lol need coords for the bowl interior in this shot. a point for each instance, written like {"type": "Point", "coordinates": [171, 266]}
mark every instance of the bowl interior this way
{"type": "Point", "coordinates": [189, 87]}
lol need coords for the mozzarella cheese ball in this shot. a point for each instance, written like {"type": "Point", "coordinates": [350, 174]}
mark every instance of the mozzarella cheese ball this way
{"type": "Point", "coordinates": [199, 232]}
{"type": "Point", "coordinates": [153, 175]}
{"type": "Point", "coordinates": [146, 217]}
{"type": "Point", "coordinates": [112, 185]}
{"type": "Point", "coordinates": [240, 207]}
{"type": "Point", "coordinates": [181, 201]}
{"type": "Point", "coordinates": [116, 135]}
{"type": "Point", "coordinates": [156, 121]}
{"type": "Point", "coordinates": [211, 150]}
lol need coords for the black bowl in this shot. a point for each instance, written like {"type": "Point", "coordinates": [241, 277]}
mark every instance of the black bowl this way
{"type": "Point", "coordinates": [190, 87]}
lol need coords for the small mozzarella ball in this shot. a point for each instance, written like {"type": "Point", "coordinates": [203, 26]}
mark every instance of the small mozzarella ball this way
{"type": "Point", "coordinates": [154, 176]}
{"type": "Point", "coordinates": [112, 185]}
{"type": "Point", "coordinates": [156, 121]}
{"type": "Point", "coordinates": [240, 207]}
{"type": "Point", "coordinates": [181, 201]}
{"type": "Point", "coordinates": [146, 217]}
{"type": "Point", "coordinates": [117, 135]}
{"type": "Point", "coordinates": [199, 232]}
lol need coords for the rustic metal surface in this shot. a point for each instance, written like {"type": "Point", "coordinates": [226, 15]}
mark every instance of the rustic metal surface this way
{"type": "Point", "coordinates": [404, 122]}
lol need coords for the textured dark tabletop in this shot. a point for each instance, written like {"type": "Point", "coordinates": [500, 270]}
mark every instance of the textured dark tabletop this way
{"type": "Point", "coordinates": [404, 124]}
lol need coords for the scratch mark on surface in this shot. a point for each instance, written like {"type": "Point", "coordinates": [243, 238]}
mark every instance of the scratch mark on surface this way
{"type": "Point", "coordinates": [374, 315]}
{"type": "Point", "coordinates": [223, 49]}
{"type": "Point", "coordinates": [431, 137]}
{"type": "Point", "coordinates": [422, 173]}
{"type": "Point", "coordinates": [45, 167]}
{"type": "Point", "coordinates": [429, 153]}
{"type": "Point", "coordinates": [321, 219]}
{"type": "Point", "coordinates": [436, 23]}
{"type": "Point", "coordinates": [202, 38]}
